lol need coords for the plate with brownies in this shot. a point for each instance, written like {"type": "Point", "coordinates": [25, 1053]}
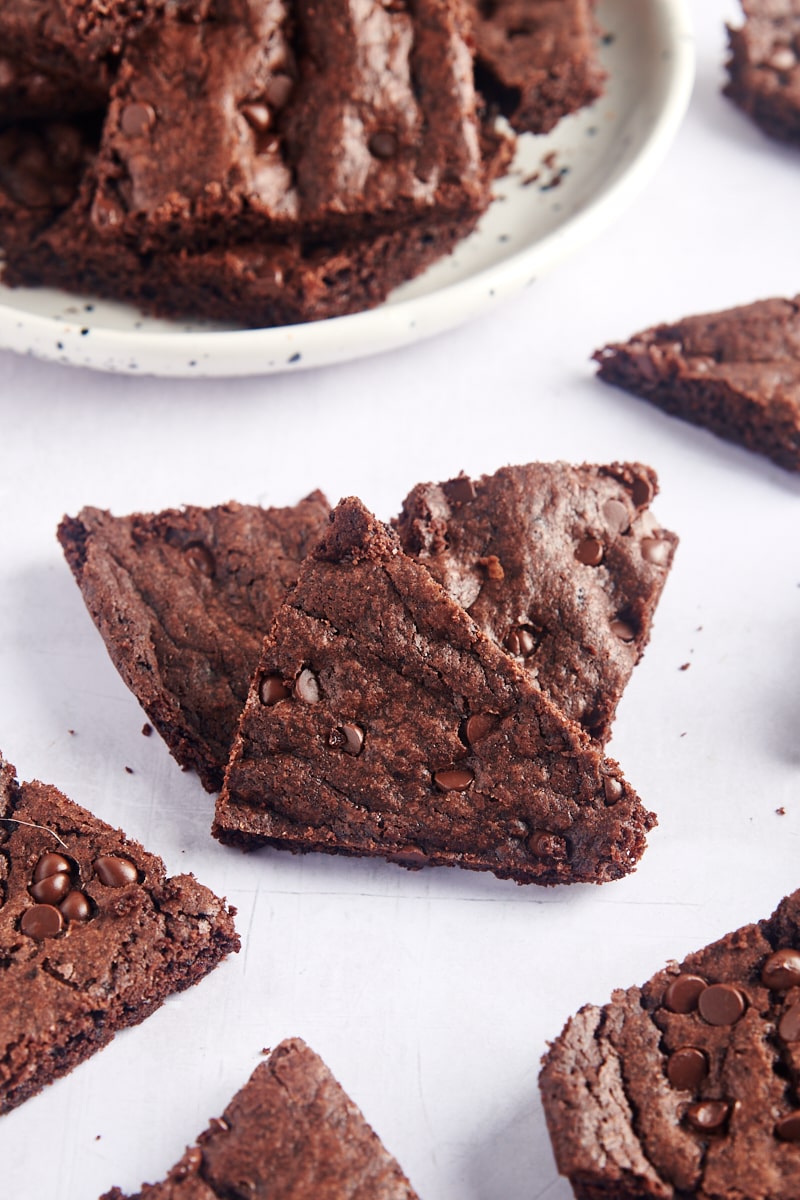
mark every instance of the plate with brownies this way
{"type": "Point", "coordinates": [208, 189]}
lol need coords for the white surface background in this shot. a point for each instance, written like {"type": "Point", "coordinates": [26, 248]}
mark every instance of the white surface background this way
{"type": "Point", "coordinates": [431, 995]}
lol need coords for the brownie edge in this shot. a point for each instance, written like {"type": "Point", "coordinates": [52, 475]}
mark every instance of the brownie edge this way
{"type": "Point", "coordinates": [291, 1131]}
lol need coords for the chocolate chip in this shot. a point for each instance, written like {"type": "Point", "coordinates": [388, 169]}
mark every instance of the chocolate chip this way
{"type": "Point", "coordinates": [349, 738]}
{"type": "Point", "coordinates": [306, 687]}
{"type": "Point", "coordinates": [687, 1067]}
{"type": "Point", "coordinates": [460, 490]}
{"type": "Point", "coordinates": [789, 1024]}
{"type": "Point", "coordinates": [521, 642]}
{"type": "Point", "coordinates": [683, 992]}
{"type": "Point", "coordinates": [657, 551]}
{"type": "Point", "coordinates": [708, 1116]}
{"type": "Point", "coordinates": [453, 779]}
{"type": "Point", "coordinates": [41, 921]}
{"type": "Point", "coordinates": [278, 90]}
{"type": "Point", "coordinates": [137, 119]}
{"type": "Point", "coordinates": [548, 845]}
{"type": "Point", "coordinates": [782, 969]}
{"type": "Point", "coordinates": [721, 1004]}
{"type": "Point", "coordinates": [272, 690]}
{"type": "Point", "coordinates": [383, 144]}
{"type": "Point", "coordinates": [51, 864]}
{"type": "Point", "coordinates": [641, 492]}
{"type": "Point", "coordinates": [258, 116]}
{"type": "Point", "coordinates": [623, 630]}
{"type": "Point", "coordinates": [115, 871]}
{"type": "Point", "coordinates": [788, 1128]}
{"type": "Point", "coordinates": [75, 906]}
{"type": "Point", "coordinates": [477, 726]}
{"type": "Point", "coordinates": [51, 890]}
{"type": "Point", "coordinates": [201, 558]}
{"type": "Point", "coordinates": [590, 552]}
{"type": "Point", "coordinates": [616, 515]}
{"type": "Point", "coordinates": [612, 789]}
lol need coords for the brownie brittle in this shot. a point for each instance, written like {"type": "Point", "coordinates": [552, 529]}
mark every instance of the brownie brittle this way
{"type": "Point", "coordinates": [561, 565]}
{"type": "Point", "coordinates": [382, 722]}
{"type": "Point", "coordinates": [690, 1085]}
{"type": "Point", "coordinates": [182, 599]}
{"type": "Point", "coordinates": [290, 1131]}
{"type": "Point", "coordinates": [93, 935]}
{"type": "Point", "coordinates": [735, 372]}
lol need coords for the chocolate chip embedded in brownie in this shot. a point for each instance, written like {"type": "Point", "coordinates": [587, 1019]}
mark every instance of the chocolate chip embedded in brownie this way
{"type": "Point", "coordinates": [290, 1131]}
{"type": "Point", "coordinates": [735, 372]}
{"type": "Point", "coordinates": [93, 935]}
{"type": "Point", "coordinates": [561, 565]}
{"type": "Point", "coordinates": [764, 66]}
{"type": "Point", "coordinates": [41, 167]}
{"type": "Point", "coordinates": [382, 722]}
{"type": "Point", "coordinates": [537, 60]}
{"type": "Point", "coordinates": [690, 1085]}
{"type": "Point", "coordinates": [182, 599]}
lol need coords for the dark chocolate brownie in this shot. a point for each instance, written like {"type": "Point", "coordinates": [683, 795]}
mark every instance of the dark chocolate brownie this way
{"type": "Point", "coordinates": [381, 721]}
{"type": "Point", "coordinates": [537, 60]}
{"type": "Point", "coordinates": [291, 1131]}
{"type": "Point", "coordinates": [93, 935]}
{"type": "Point", "coordinates": [561, 565]}
{"type": "Point", "coordinates": [735, 372]}
{"type": "Point", "coordinates": [361, 123]}
{"type": "Point", "coordinates": [688, 1087]}
{"type": "Point", "coordinates": [764, 66]}
{"type": "Point", "coordinates": [182, 599]}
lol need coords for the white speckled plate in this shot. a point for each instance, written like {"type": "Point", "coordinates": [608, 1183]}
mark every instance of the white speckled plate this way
{"type": "Point", "coordinates": [563, 189]}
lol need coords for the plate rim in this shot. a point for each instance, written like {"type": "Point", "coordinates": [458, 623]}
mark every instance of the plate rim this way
{"type": "Point", "coordinates": [240, 353]}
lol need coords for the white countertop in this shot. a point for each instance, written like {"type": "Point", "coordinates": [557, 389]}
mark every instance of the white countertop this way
{"type": "Point", "coordinates": [431, 995]}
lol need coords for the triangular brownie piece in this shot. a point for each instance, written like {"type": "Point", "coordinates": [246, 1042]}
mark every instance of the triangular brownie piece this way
{"type": "Point", "coordinates": [381, 721]}
{"type": "Point", "coordinates": [182, 599]}
{"type": "Point", "coordinates": [93, 935]}
{"type": "Point", "coordinates": [690, 1085]}
{"type": "Point", "coordinates": [560, 565]}
{"type": "Point", "coordinates": [290, 1131]}
{"type": "Point", "coordinates": [735, 372]}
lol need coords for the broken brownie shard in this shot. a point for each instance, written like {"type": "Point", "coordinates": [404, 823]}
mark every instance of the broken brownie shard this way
{"type": "Point", "coordinates": [182, 599]}
{"type": "Point", "coordinates": [290, 1131]}
{"type": "Point", "coordinates": [561, 565]}
{"type": "Point", "coordinates": [764, 66]}
{"type": "Point", "coordinates": [690, 1085]}
{"type": "Point", "coordinates": [381, 721]}
{"type": "Point", "coordinates": [735, 372]}
{"type": "Point", "coordinates": [93, 935]}
{"type": "Point", "coordinates": [536, 60]}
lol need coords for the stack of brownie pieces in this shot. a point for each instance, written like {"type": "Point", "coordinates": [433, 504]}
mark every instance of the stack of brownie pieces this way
{"type": "Point", "coordinates": [266, 161]}
{"type": "Point", "coordinates": [434, 693]}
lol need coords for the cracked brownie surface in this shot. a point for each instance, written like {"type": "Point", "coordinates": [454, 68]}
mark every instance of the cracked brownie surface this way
{"type": "Point", "coordinates": [688, 1087]}
{"type": "Point", "coordinates": [562, 566]}
{"type": "Point", "coordinates": [734, 372]}
{"type": "Point", "coordinates": [182, 599]}
{"type": "Point", "coordinates": [764, 66]}
{"type": "Point", "coordinates": [93, 935]}
{"type": "Point", "coordinates": [290, 1131]}
{"type": "Point", "coordinates": [381, 721]}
